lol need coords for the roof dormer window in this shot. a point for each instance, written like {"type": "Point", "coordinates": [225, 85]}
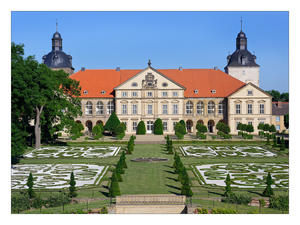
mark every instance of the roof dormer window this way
{"type": "Point", "coordinates": [196, 91]}
{"type": "Point", "coordinates": [103, 92]}
{"type": "Point", "coordinates": [213, 91]}
{"type": "Point", "coordinates": [85, 92]}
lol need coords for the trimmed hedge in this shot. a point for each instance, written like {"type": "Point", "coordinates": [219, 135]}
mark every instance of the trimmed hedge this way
{"type": "Point", "coordinates": [158, 127]}
{"type": "Point", "coordinates": [141, 128]}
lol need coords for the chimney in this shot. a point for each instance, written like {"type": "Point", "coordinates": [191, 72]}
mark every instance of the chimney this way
{"type": "Point", "coordinates": [118, 69]}
{"type": "Point", "coordinates": [279, 104]}
{"type": "Point", "coordinates": [82, 69]}
{"type": "Point", "coordinates": [180, 68]}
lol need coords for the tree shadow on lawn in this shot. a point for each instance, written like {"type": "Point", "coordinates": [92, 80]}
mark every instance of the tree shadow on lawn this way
{"type": "Point", "coordinates": [167, 171]}
{"type": "Point", "coordinates": [174, 187]}
{"type": "Point", "coordinates": [171, 178]}
{"type": "Point", "coordinates": [171, 167]}
{"type": "Point", "coordinates": [106, 194]}
{"type": "Point", "coordinates": [216, 193]}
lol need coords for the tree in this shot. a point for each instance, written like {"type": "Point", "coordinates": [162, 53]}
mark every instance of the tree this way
{"type": "Point", "coordinates": [282, 144]}
{"type": "Point", "coordinates": [18, 142]}
{"type": "Point", "coordinates": [114, 189]}
{"type": "Point", "coordinates": [120, 131]}
{"type": "Point", "coordinates": [30, 184]}
{"type": "Point", "coordinates": [49, 98]}
{"type": "Point", "coordinates": [286, 121]}
{"type": "Point", "coordinates": [250, 128]}
{"type": "Point", "coordinates": [186, 188]}
{"type": "Point", "coordinates": [184, 126]}
{"type": "Point", "coordinates": [260, 126]}
{"type": "Point", "coordinates": [98, 130]}
{"type": "Point", "coordinates": [272, 129]}
{"type": "Point", "coordinates": [239, 126]}
{"type": "Point", "coordinates": [141, 128]}
{"type": "Point", "coordinates": [275, 95]}
{"type": "Point", "coordinates": [268, 191]}
{"type": "Point", "coordinates": [284, 97]}
{"type": "Point", "coordinates": [72, 188]}
{"type": "Point", "coordinates": [223, 127]}
{"type": "Point", "coordinates": [266, 127]}
{"type": "Point", "coordinates": [228, 182]}
{"type": "Point", "coordinates": [180, 130]}
{"type": "Point", "coordinates": [112, 123]}
{"type": "Point", "coordinates": [158, 127]}
{"type": "Point", "coordinates": [201, 128]}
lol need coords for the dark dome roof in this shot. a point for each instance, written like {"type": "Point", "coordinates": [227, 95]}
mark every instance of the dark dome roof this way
{"type": "Point", "coordinates": [241, 35]}
{"type": "Point", "coordinates": [58, 59]}
{"type": "Point", "coordinates": [236, 58]}
{"type": "Point", "coordinates": [56, 35]}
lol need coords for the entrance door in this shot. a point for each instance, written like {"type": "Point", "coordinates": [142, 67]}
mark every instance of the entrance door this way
{"type": "Point", "coordinates": [150, 127]}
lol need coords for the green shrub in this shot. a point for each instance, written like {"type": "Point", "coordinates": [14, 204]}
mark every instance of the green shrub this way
{"type": "Point", "coordinates": [268, 191]}
{"type": "Point", "coordinates": [103, 210]}
{"type": "Point", "coordinates": [112, 123]}
{"type": "Point", "coordinates": [20, 202]}
{"type": "Point", "coordinates": [237, 199]}
{"type": "Point", "coordinates": [120, 131]}
{"type": "Point", "coordinates": [201, 128]}
{"type": "Point", "coordinates": [200, 135]}
{"type": "Point", "coordinates": [158, 127]}
{"type": "Point", "coordinates": [55, 200]}
{"type": "Point", "coordinates": [213, 137]}
{"type": "Point", "coordinates": [223, 211]}
{"type": "Point", "coordinates": [141, 128]}
{"type": "Point", "coordinates": [223, 127]}
{"type": "Point", "coordinates": [202, 211]}
{"type": "Point", "coordinates": [184, 127]}
{"type": "Point", "coordinates": [280, 202]}
{"type": "Point", "coordinates": [98, 130]}
{"type": "Point", "coordinates": [180, 130]}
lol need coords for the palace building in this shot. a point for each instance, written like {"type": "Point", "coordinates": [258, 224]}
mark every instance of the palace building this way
{"type": "Point", "coordinates": [204, 96]}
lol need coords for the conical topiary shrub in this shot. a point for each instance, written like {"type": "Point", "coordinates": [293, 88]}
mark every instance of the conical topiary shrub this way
{"type": "Point", "coordinates": [158, 127]}
{"type": "Point", "coordinates": [141, 128]}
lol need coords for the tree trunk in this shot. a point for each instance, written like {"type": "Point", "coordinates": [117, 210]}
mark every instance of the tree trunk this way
{"type": "Point", "coordinates": [37, 127]}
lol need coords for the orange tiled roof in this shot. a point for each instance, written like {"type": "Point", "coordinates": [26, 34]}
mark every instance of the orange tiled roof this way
{"type": "Point", "coordinates": [204, 80]}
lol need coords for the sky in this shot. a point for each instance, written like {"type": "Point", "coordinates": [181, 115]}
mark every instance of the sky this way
{"type": "Point", "coordinates": [106, 40]}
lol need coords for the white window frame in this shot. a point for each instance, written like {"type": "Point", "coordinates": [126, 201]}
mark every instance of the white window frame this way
{"type": "Point", "coordinates": [124, 109]}
{"type": "Point", "coordinates": [210, 107]}
{"type": "Point", "coordinates": [277, 118]}
{"type": "Point", "coordinates": [189, 108]}
{"type": "Point", "coordinates": [99, 108]}
{"type": "Point", "coordinates": [165, 125]}
{"type": "Point", "coordinates": [261, 108]}
{"type": "Point", "coordinates": [164, 94]}
{"type": "Point", "coordinates": [150, 109]}
{"type": "Point", "coordinates": [88, 108]}
{"type": "Point", "coordinates": [134, 109]}
{"type": "Point", "coordinates": [175, 109]}
{"type": "Point", "coordinates": [165, 109]}
{"type": "Point", "coordinates": [175, 94]}
{"type": "Point", "coordinates": [134, 125]}
{"type": "Point", "coordinates": [237, 108]}
{"type": "Point", "coordinates": [134, 94]}
{"type": "Point", "coordinates": [200, 108]}
{"type": "Point", "coordinates": [110, 107]}
{"type": "Point", "coordinates": [124, 94]}
{"type": "Point", "coordinates": [220, 108]}
{"type": "Point", "coordinates": [277, 127]}
{"type": "Point", "coordinates": [250, 108]}
{"type": "Point", "coordinates": [149, 94]}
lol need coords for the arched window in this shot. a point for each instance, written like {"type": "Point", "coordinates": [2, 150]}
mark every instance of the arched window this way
{"type": "Point", "coordinates": [211, 107]}
{"type": "Point", "coordinates": [89, 108]}
{"type": "Point", "coordinates": [99, 108]}
{"type": "Point", "coordinates": [110, 107]}
{"type": "Point", "coordinates": [189, 107]}
{"type": "Point", "coordinates": [200, 108]}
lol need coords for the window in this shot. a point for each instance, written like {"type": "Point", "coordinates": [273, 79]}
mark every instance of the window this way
{"type": "Point", "coordinates": [134, 126]}
{"type": "Point", "coordinates": [200, 108]}
{"type": "Point", "coordinates": [175, 93]}
{"type": "Point", "coordinates": [149, 94]}
{"type": "Point", "coordinates": [134, 84]}
{"type": "Point", "coordinates": [277, 118]}
{"type": "Point", "coordinates": [211, 107]}
{"type": "Point", "coordinates": [165, 94]}
{"type": "Point", "coordinates": [164, 84]}
{"type": "Point", "coordinates": [110, 107]}
{"type": "Point", "coordinates": [164, 109]}
{"type": "Point", "coordinates": [189, 108]}
{"type": "Point", "coordinates": [174, 124]}
{"type": "Point", "coordinates": [249, 123]}
{"type": "Point", "coordinates": [134, 94]}
{"type": "Point", "coordinates": [124, 109]}
{"type": "Point", "coordinates": [244, 73]}
{"type": "Point", "coordinates": [165, 124]}
{"type": "Point", "coordinates": [261, 108]}
{"type": "Point", "coordinates": [99, 108]}
{"type": "Point", "coordinates": [149, 109]}
{"type": "Point", "coordinates": [277, 127]}
{"type": "Point", "coordinates": [134, 109]}
{"type": "Point", "coordinates": [236, 125]}
{"type": "Point", "coordinates": [250, 92]}
{"type": "Point", "coordinates": [88, 108]}
{"type": "Point", "coordinates": [175, 109]}
{"type": "Point", "coordinates": [213, 91]}
{"type": "Point", "coordinates": [220, 108]}
{"type": "Point", "coordinates": [196, 91]}
{"type": "Point", "coordinates": [238, 109]}
{"type": "Point", "coordinates": [249, 108]}
{"type": "Point", "coordinates": [124, 94]}
{"type": "Point", "coordinates": [103, 92]}
{"type": "Point", "coordinates": [85, 92]}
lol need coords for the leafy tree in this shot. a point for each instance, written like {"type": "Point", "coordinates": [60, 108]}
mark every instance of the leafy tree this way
{"type": "Point", "coordinates": [239, 126]}
{"type": "Point", "coordinates": [180, 130]}
{"type": "Point", "coordinates": [18, 143]}
{"type": "Point", "coordinates": [280, 202]}
{"type": "Point", "coordinates": [282, 144]}
{"type": "Point", "coordinates": [268, 191]}
{"type": "Point", "coordinates": [98, 130]}
{"type": "Point", "coordinates": [141, 128]}
{"type": "Point", "coordinates": [158, 127]}
{"type": "Point", "coordinates": [266, 127]}
{"type": "Point", "coordinates": [30, 184]}
{"type": "Point", "coordinates": [112, 123]}
{"type": "Point", "coordinates": [114, 189]}
{"type": "Point", "coordinates": [284, 97]}
{"type": "Point", "coordinates": [223, 127]}
{"type": "Point", "coordinates": [120, 131]}
{"type": "Point", "coordinates": [275, 95]}
{"type": "Point", "coordinates": [48, 97]}
{"type": "Point", "coordinates": [72, 188]}
{"type": "Point", "coordinates": [250, 128]}
{"type": "Point", "coordinates": [244, 127]}
{"type": "Point", "coordinates": [201, 128]}
{"type": "Point", "coordinates": [272, 129]}
{"type": "Point", "coordinates": [228, 182]}
{"type": "Point", "coordinates": [260, 126]}
{"type": "Point", "coordinates": [286, 121]}
{"type": "Point", "coordinates": [184, 127]}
